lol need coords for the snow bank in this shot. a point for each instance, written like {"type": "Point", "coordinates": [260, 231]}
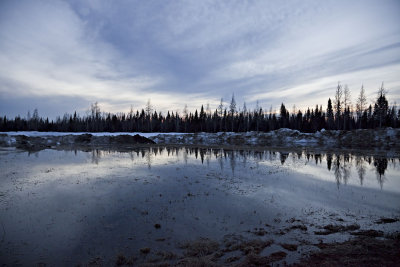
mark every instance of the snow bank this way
{"type": "Point", "coordinates": [43, 134]}
{"type": "Point", "coordinates": [379, 138]}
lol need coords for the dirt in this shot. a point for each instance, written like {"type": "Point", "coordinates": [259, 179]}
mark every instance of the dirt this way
{"type": "Point", "coordinates": [196, 262]}
{"type": "Point", "coordinates": [257, 260]}
{"type": "Point", "coordinates": [386, 220]}
{"type": "Point", "coordinates": [238, 243]}
{"type": "Point", "coordinates": [361, 251]}
{"type": "Point", "coordinates": [259, 232]}
{"type": "Point", "coordinates": [207, 252]}
{"type": "Point", "coordinates": [201, 247]}
{"type": "Point", "coordinates": [298, 226]}
{"type": "Point", "coordinates": [122, 260]}
{"type": "Point", "coordinates": [254, 246]}
{"type": "Point", "coordinates": [232, 259]}
{"type": "Point", "coordinates": [145, 250]}
{"type": "Point", "coordinates": [290, 247]}
{"type": "Point", "coordinates": [335, 228]}
{"type": "Point", "coordinates": [370, 233]}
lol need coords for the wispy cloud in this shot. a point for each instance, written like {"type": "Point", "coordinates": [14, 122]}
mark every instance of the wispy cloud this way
{"type": "Point", "coordinates": [193, 52]}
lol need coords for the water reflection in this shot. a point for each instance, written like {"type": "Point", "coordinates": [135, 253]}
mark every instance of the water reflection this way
{"type": "Point", "coordinates": [381, 166]}
{"type": "Point", "coordinates": [283, 157]}
{"type": "Point", "coordinates": [341, 166]}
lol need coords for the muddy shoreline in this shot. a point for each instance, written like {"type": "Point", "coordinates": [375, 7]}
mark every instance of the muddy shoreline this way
{"type": "Point", "coordinates": [367, 248]}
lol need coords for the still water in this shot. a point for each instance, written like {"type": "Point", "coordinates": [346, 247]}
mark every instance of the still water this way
{"type": "Point", "coordinates": [70, 207]}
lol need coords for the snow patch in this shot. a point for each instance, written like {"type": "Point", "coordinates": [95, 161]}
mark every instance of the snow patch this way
{"type": "Point", "coordinates": [46, 134]}
{"type": "Point", "coordinates": [379, 138]}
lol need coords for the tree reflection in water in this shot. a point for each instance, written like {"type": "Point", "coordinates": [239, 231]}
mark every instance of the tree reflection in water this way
{"type": "Point", "coordinates": [283, 157]}
{"type": "Point", "coordinates": [346, 168]}
{"type": "Point", "coordinates": [337, 170]}
{"type": "Point", "coordinates": [381, 166]}
{"type": "Point", "coordinates": [329, 161]}
{"type": "Point", "coordinates": [232, 160]}
{"type": "Point", "coordinates": [361, 169]}
{"type": "Point", "coordinates": [340, 163]}
{"type": "Point", "coordinates": [149, 158]}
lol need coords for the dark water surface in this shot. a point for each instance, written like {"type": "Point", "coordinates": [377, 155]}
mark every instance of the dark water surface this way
{"type": "Point", "coordinates": [70, 207]}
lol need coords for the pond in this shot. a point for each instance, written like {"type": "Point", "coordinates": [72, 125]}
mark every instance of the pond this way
{"type": "Point", "coordinates": [152, 204]}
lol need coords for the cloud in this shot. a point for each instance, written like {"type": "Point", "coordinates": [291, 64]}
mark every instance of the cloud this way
{"type": "Point", "coordinates": [47, 52]}
{"type": "Point", "coordinates": [320, 89]}
{"type": "Point", "coordinates": [193, 52]}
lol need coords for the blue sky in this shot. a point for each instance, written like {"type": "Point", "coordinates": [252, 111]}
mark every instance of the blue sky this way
{"type": "Point", "coordinates": [60, 56]}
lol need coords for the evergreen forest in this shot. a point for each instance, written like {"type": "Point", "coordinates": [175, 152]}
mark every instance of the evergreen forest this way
{"type": "Point", "coordinates": [340, 114]}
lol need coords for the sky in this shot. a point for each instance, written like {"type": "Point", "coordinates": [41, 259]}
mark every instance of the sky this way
{"type": "Point", "coordinates": [61, 56]}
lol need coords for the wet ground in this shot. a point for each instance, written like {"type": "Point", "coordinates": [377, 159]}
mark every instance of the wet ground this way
{"type": "Point", "coordinates": [183, 205]}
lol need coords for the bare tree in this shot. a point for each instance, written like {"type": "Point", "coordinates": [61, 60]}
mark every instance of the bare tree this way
{"type": "Point", "coordinates": [232, 110]}
{"type": "Point", "coordinates": [35, 119]}
{"type": "Point", "coordinates": [246, 116]}
{"type": "Point", "coordinates": [130, 113]}
{"type": "Point", "coordinates": [232, 106]}
{"type": "Point", "coordinates": [208, 109]}
{"type": "Point", "coordinates": [208, 117]}
{"type": "Point", "coordinates": [258, 106]}
{"type": "Point", "coordinates": [221, 107]}
{"type": "Point", "coordinates": [347, 106]}
{"type": "Point", "coordinates": [95, 109]}
{"type": "Point", "coordinates": [220, 113]}
{"type": "Point", "coordinates": [347, 97]}
{"type": "Point", "coordinates": [177, 120]}
{"type": "Point", "coordinates": [394, 112]}
{"type": "Point", "coordinates": [185, 116]}
{"type": "Point", "coordinates": [294, 110]}
{"type": "Point", "coordinates": [338, 104]}
{"type": "Point", "coordinates": [185, 111]}
{"type": "Point", "coordinates": [149, 110]}
{"type": "Point", "coordinates": [382, 91]}
{"type": "Point", "coordinates": [96, 116]}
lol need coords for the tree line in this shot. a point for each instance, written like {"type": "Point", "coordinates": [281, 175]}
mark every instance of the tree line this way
{"type": "Point", "coordinates": [340, 114]}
